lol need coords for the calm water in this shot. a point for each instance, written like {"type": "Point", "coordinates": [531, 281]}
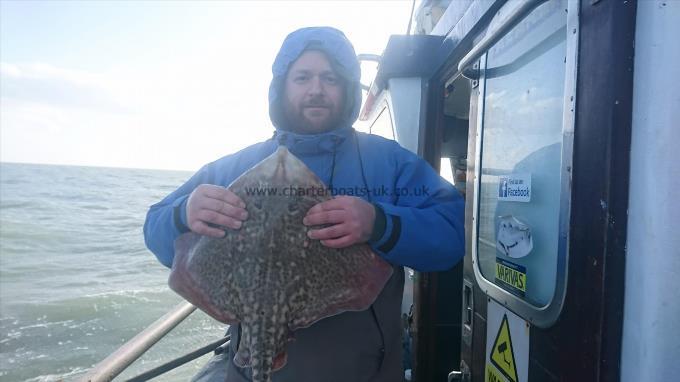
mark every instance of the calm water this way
{"type": "Point", "coordinates": [76, 280]}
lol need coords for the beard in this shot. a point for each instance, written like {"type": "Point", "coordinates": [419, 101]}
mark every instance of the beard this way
{"type": "Point", "coordinates": [311, 117]}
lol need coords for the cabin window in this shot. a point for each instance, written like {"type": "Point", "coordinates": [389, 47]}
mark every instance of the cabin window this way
{"type": "Point", "coordinates": [520, 181]}
{"type": "Point", "coordinates": [383, 124]}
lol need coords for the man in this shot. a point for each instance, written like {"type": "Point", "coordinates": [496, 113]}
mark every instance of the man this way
{"type": "Point", "coordinates": [406, 212]}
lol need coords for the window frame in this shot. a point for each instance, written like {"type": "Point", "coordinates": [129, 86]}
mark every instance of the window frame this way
{"type": "Point", "coordinates": [541, 316]}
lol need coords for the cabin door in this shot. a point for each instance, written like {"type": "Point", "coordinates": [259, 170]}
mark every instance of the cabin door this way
{"type": "Point", "coordinates": [517, 172]}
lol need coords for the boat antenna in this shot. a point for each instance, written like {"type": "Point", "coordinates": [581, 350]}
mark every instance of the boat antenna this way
{"type": "Point", "coordinates": [410, 19]}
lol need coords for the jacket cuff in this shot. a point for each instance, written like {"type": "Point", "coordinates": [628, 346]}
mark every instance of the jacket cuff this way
{"type": "Point", "coordinates": [379, 225]}
{"type": "Point", "coordinates": [179, 214]}
{"type": "Point", "coordinates": [391, 233]}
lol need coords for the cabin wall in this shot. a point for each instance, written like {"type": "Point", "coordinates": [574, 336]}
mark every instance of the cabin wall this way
{"type": "Point", "coordinates": [651, 328]}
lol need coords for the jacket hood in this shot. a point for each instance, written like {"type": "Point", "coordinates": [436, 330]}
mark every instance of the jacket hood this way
{"type": "Point", "coordinates": [343, 58]}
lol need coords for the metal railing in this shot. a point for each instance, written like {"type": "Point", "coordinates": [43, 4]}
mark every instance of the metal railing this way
{"type": "Point", "coordinates": [119, 360]}
{"type": "Point", "coordinates": [514, 18]}
{"type": "Point", "coordinates": [218, 347]}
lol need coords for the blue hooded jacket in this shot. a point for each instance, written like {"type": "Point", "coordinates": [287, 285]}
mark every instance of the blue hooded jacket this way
{"type": "Point", "coordinates": [422, 225]}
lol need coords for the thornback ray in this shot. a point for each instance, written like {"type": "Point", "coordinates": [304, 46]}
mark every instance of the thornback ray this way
{"type": "Point", "coordinates": [268, 275]}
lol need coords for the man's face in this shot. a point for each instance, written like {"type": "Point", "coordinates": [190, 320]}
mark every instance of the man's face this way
{"type": "Point", "coordinates": [314, 94]}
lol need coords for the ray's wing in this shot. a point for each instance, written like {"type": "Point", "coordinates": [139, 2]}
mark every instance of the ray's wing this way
{"type": "Point", "coordinates": [336, 281]}
{"type": "Point", "coordinates": [210, 273]}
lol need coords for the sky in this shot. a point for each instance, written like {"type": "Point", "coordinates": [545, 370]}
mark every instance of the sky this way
{"type": "Point", "coordinates": [162, 85]}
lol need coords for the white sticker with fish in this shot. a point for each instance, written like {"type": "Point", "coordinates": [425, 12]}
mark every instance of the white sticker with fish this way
{"type": "Point", "coordinates": [513, 237]}
{"type": "Point", "coordinates": [514, 188]}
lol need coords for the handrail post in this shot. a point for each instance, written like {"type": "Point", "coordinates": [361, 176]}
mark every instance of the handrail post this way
{"type": "Point", "coordinates": [517, 15]}
{"type": "Point", "coordinates": [119, 360]}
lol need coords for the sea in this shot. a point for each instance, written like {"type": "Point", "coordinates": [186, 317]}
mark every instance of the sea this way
{"type": "Point", "coordinates": [77, 281]}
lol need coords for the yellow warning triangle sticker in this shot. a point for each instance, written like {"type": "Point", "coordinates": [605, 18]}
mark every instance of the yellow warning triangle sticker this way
{"type": "Point", "coordinates": [502, 355]}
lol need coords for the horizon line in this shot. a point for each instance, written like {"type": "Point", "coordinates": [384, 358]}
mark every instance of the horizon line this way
{"type": "Point", "coordinates": [96, 166]}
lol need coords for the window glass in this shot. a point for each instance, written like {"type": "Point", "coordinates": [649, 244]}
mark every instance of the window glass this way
{"type": "Point", "coordinates": [519, 190]}
{"type": "Point", "coordinates": [383, 125]}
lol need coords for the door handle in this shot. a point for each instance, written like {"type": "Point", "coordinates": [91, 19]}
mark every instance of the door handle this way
{"type": "Point", "coordinates": [460, 376]}
{"type": "Point", "coordinates": [455, 376]}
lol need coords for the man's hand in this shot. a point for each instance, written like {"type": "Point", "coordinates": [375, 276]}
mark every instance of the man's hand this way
{"type": "Point", "coordinates": [209, 206]}
{"type": "Point", "coordinates": [352, 221]}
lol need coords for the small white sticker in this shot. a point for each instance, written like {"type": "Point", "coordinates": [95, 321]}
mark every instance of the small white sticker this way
{"type": "Point", "coordinates": [513, 237]}
{"type": "Point", "coordinates": [514, 188]}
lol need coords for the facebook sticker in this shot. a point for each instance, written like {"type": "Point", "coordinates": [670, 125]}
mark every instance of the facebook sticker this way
{"type": "Point", "coordinates": [514, 188]}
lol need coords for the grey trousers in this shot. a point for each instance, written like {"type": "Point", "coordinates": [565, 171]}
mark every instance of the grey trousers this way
{"type": "Point", "coordinates": [220, 368]}
{"type": "Point", "coordinates": [214, 370]}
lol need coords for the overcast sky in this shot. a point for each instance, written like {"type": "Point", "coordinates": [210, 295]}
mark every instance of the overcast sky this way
{"type": "Point", "coordinates": [169, 85]}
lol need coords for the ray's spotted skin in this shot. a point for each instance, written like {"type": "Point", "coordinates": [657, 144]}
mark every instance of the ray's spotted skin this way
{"type": "Point", "coordinates": [269, 275]}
